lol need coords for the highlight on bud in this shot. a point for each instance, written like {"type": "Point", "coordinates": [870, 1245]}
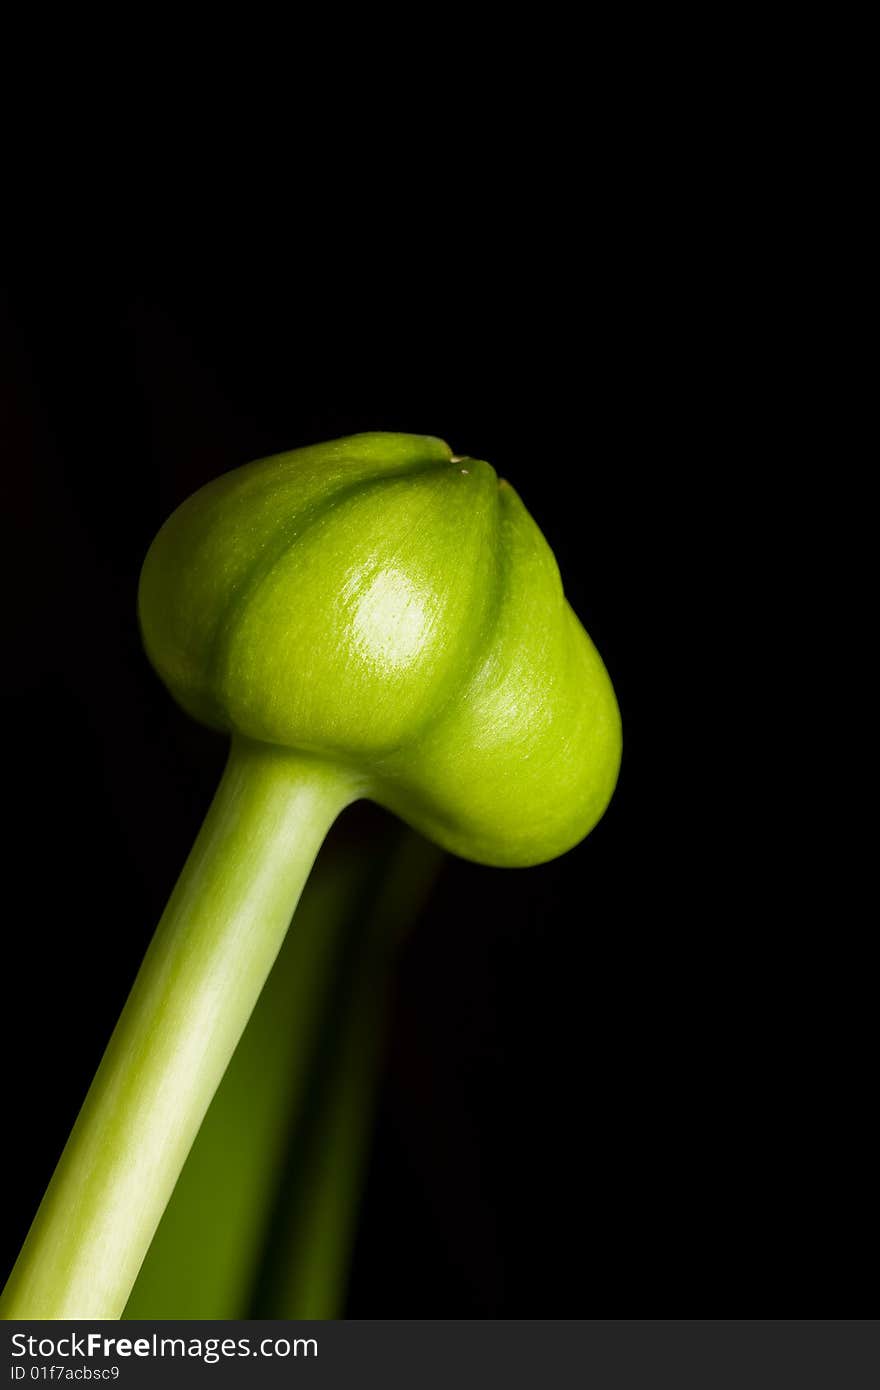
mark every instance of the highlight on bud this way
{"type": "Point", "coordinates": [389, 607]}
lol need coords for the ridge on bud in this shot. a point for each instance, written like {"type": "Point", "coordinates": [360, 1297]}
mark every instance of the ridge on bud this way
{"type": "Point", "coordinates": [384, 604]}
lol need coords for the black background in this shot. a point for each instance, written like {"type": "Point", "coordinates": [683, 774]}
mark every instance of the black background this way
{"type": "Point", "coordinates": [605, 1083]}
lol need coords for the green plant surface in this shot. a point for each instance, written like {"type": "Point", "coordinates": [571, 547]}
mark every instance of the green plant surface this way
{"type": "Point", "coordinates": [390, 607]}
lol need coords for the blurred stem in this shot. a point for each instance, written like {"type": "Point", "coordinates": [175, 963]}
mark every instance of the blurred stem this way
{"type": "Point", "coordinates": [192, 998]}
{"type": "Point", "coordinates": [308, 1260]}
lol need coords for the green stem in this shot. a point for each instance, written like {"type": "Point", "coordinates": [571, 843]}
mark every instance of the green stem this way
{"type": "Point", "coordinates": [317, 1277]}
{"type": "Point", "coordinates": [192, 998]}
{"type": "Point", "coordinates": [317, 1221]}
{"type": "Point", "coordinates": [205, 1255]}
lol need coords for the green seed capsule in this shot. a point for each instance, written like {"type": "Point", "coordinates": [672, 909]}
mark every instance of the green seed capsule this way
{"type": "Point", "coordinates": [390, 608]}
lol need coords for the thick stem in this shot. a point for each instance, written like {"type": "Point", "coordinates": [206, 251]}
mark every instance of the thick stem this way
{"type": "Point", "coordinates": [205, 1255]}
{"type": "Point", "coordinates": [192, 998]}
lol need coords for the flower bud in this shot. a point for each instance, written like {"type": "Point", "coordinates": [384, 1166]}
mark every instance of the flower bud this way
{"type": "Point", "coordinates": [386, 606]}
